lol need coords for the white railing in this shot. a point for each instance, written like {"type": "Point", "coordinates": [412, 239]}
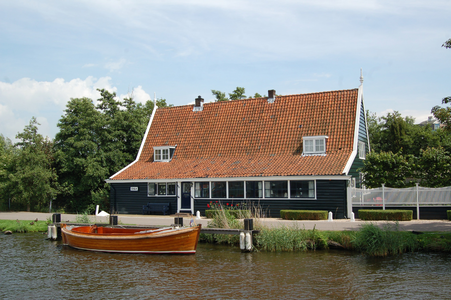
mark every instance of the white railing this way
{"type": "Point", "coordinates": [385, 196]}
{"type": "Point", "coordinates": [414, 196]}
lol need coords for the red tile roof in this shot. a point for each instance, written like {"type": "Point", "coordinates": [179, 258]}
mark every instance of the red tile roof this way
{"type": "Point", "coordinates": [249, 138]}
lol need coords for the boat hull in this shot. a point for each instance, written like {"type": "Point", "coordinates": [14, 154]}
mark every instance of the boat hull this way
{"type": "Point", "coordinates": [123, 240]}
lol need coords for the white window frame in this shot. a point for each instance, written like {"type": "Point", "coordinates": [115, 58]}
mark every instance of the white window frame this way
{"type": "Point", "coordinates": [362, 150]}
{"type": "Point", "coordinates": [311, 143]}
{"type": "Point", "coordinates": [162, 153]}
{"type": "Point", "coordinates": [156, 188]}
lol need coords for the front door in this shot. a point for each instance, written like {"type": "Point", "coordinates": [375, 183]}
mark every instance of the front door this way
{"type": "Point", "coordinates": [186, 196]}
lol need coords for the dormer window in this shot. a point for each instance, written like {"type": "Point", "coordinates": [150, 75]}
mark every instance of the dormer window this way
{"type": "Point", "coordinates": [163, 153]}
{"type": "Point", "coordinates": [314, 145]}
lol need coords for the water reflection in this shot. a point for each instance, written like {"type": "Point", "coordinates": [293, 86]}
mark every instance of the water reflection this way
{"type": "Point", "coordinates": [33, 267]}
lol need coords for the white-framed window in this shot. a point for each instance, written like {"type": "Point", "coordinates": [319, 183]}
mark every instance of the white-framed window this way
{"type": "Point", "coordinates": [314, 145]}
{"type": "Point", "coordinates": [161, 189]}
{"type": "Point", "coordinates": [362, 150]}
{"type": "Point", "coordinates": [163, 153]}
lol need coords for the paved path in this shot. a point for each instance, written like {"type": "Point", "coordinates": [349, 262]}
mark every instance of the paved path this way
{"type": "Point", "coordinates": [335, 225]}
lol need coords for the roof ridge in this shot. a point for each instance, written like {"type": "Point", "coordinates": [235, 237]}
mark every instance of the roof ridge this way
{"type": "Point", "coordinates": [263, 98]}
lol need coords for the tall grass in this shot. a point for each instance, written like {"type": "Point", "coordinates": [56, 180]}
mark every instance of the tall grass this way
{"type": "Point", "coordinates": [83, 218]}
{"type": "Point", "coordinates": [290, 239]}
{"type": "Point", "coordinates": [375, 241]}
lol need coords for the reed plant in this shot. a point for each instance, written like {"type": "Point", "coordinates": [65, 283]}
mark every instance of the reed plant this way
{"type": "Point", "coordinates": [375, 241]}
{"type": "Point", "coordinates": [83, 218]}
{"type": "Point", "coordinates": [231, 217]}
{"type": "Point", "coordinates": [290, 239]}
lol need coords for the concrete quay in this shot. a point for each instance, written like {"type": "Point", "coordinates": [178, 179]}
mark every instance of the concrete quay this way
{"type": "Point", "coordinates": [159, 220]}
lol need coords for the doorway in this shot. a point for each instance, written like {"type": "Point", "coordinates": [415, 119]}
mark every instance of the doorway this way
{"type": "Point", "coordinates": [186, 196]}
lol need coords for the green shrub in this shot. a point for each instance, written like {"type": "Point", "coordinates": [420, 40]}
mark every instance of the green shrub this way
{"type": "Point", "coordinates": [386, 215]}
{"type": "Point", "coordinates": [448, 212]}
{"type": "Point", "coordinates": [303, 214]}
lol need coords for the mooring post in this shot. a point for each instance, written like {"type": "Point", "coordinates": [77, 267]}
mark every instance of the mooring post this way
{"type": "Point", "coordinates": [246, 236]}
{"type": "Point", "coordinates": [55, 229]}
{"type": "Point", "coordinates": [178, 221]}
{"type": "Point", "coordinates": [113, 220]}
{"type": "Point", "coordinates": [248, 224]}
{"type": "Point", "coordinates": [330, 219]}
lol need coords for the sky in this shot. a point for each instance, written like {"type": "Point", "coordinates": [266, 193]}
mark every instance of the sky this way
{"type": "Point", "coordinates": [52, 51]}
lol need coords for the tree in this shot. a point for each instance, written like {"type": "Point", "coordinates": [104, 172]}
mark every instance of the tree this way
{"type": "Point", "coordinates": [7, 152]}
{"type": "Point", "coordinates": [391, 169]}
{"type": "Point", "coordinates": [79, 152]}
{"type": "Point", "coordinates": [443, 114]}
{"type": "Point", "coordinates": [434, 167]}
{"type": "Point", "coordinates": [32, 180]}
{"type": "Point", "coordinates": [162, 103]}
{"type": "Point", "coordinates": [257, 95]}
{"type": "Point", "coordinates": [220, 96]}
{"type": "Point", "coordinates": [237, 94]}
{"type": "Point", "coordinates": [95, 142]}
{"type": "Point", "coordinates": [374, 131]}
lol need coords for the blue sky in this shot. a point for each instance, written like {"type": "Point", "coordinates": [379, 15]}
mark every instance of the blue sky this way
{"type": "Point", "coordinates": [51, 51]}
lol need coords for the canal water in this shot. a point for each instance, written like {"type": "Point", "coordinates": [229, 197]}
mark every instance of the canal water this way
{"type": "Point", "coordinates": [35, 268]}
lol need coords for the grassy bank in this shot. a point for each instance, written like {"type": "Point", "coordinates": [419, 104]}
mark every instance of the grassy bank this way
{"type": "Point", "coordinates": [369, 239]}
{"type": "Point", "coordinates": [24, 226]}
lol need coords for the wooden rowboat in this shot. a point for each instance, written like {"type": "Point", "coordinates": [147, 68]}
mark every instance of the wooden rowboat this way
{"type": "Point", "coordinates": [168, 240]}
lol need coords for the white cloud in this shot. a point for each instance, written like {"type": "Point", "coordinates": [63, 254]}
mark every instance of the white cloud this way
{"type": "Point", "coordinates": [114, 66]}
{"type": "Point", "coordinates": [25, 98]}
{"type": "Point", "coordinates": [138, 94]}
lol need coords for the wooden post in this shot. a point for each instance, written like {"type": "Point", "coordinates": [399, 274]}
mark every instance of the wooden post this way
{"type": "Point", "coordinates": [178, 221]}
{"type": "Point", "coordinates": [248, 224]}
{"type": "Point", "coordinates": [113, 220]}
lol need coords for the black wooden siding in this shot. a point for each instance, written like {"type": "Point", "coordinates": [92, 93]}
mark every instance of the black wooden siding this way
{"type": "Point", "coordinates": [331, 196]}
{"type": "Point", "coordinates": [124, 201]}
{"type": "Point", "coordinates": [358, 163]}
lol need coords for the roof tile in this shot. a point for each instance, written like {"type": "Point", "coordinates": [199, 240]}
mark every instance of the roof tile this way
{"type": "Point", "coordinates": [246, 138]}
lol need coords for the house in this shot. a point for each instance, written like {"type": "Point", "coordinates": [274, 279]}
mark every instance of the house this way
{"type": "Point", "coordinates": [433, 123]}
{"type": "Point", "coordinates": [277, 152]}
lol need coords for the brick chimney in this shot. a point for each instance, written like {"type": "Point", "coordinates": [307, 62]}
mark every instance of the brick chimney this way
{"type": "Point", "coordinates": [198, 104]}
{"type": "Point", "coordinates": [271, 96]}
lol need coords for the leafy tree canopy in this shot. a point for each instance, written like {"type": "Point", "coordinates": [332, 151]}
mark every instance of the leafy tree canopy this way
{"type": "Point", "coordinates": [443, 114]}
{"type": "Point", "coordinates": [237, 94]}
{"type": "Point", "coordinates": [32, 179]}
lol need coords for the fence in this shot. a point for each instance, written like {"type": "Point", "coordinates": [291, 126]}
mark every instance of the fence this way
{"type": "Point", "coordinates": [414, 196]}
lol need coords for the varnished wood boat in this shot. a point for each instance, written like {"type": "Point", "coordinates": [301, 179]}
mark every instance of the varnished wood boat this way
{"type": "Point", "coordinates": [168, 240]}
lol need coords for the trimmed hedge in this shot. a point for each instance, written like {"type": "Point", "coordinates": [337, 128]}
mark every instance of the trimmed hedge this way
{"type": "Point", "coordinates": [237, 213]}
{"type": "Point", "coordinates": [386, 215]}
{"type": "Point", "coordinates": [448, 212]}
{"type": "Point", "coordinates": [303, 214]}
